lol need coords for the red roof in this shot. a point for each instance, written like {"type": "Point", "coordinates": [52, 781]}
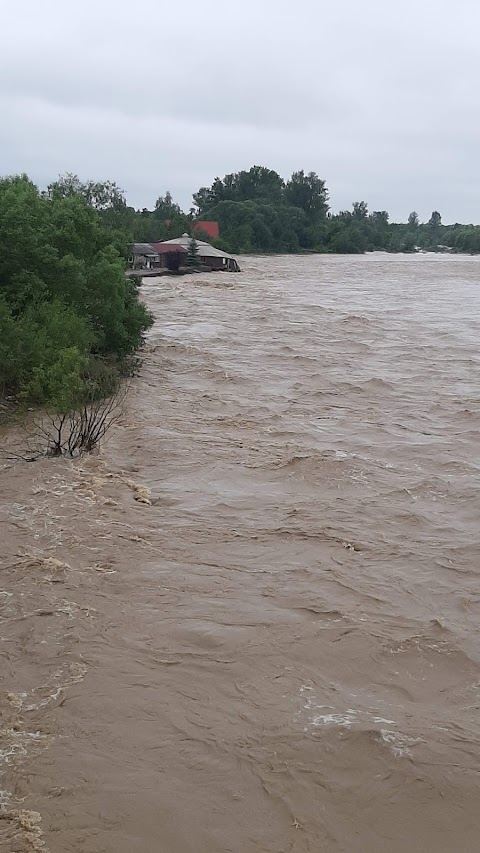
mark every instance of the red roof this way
{"type": "Point", "coordinates": [210, 228]}
{"type": "Point", "coordinates": [163, 248]}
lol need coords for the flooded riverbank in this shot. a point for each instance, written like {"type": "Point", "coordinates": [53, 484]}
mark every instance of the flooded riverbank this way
{"type": "Point", "coordinates": [251, 623]}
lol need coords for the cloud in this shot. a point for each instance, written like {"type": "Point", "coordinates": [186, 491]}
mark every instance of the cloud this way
{"type": "Point", "coordinates": [380, 99]}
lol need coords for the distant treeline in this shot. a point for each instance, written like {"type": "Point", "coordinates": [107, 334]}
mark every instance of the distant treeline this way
{"type": "Point", "coordinates": [258, 211]}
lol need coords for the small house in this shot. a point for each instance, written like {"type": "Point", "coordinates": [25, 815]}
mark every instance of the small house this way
{"type": "Point", "coordinates": [209, 256]}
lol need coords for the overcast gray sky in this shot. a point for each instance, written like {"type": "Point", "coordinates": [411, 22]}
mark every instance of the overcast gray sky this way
{"type": "Point", "coordinates": [380, 98]}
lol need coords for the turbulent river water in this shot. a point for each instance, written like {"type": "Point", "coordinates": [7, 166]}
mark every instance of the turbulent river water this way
{"type": "Point", "coordinates": [250, 624]}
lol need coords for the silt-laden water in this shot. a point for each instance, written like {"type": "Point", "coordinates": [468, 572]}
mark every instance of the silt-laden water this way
{"type": "Point", "coordinates": [260, 633]}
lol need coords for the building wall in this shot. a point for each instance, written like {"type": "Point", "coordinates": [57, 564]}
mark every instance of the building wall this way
{"type": "Point", "coordinates": [142, 262]}
{"type": "Point", "coordinates": [213, 262]}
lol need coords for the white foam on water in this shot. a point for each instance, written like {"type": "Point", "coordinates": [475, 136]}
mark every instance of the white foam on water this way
{"type": "Point", "coordinates": [399, 743]}
{"type": "Point", "coordinates": [329, 716]}
{"type": "Point", "coordinates": [10, 751]}
{"type": "Point", "coordinates": [343, 720]}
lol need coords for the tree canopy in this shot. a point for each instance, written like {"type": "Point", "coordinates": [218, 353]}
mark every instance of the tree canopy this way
{"type": "Point", "coordinates": [258, 184]}
{"type": "Point", "coordinates": [308, 193]}
{"type": "Point", "coordinates": [68, 313]}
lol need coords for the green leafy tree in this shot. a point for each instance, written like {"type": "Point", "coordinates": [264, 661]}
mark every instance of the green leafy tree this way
{"type": "Point", "coordinates": [61, 384]}
{"type": "Point", "coordinates": [466, 239]}
{"type": "Point", "coordinates": [167, 220]}
{"type": "Point", "coordinates": [258, 183]}
{"type": "Point", "coordinates": [101, 195]}
{"type": "Point", "coordinates": [413, 221]}
{"type": "Point", "coordinates": [166, 208]}
{"type": "Point", "coordinates": [203, 200]}
{"type": "Point", "coordinates": [379, 218]}
{"type": "Point", "coordinates": [309, 193]}
{"type": "Point", "coordinates": [348, 239]}
{"type": "Point", "coordinates": [360, 210]}
{"type": "Point", "coordinates": [10, 347]}
{"type": "Point", "coordinates": [409, 243]}
{"type": "Point", "coordinates": [435, 220]}
{"type": "Point", "coordinates": [66, 305]}
{"type": "Point", "coordinates": [106, 198]}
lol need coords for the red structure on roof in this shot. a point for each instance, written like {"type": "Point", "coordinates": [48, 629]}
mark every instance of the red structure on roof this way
{"type": "Point", "coordinates": [210, 228]}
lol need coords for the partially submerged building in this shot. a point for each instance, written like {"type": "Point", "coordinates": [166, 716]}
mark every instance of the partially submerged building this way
{"type": "Point", "coordinates": [149, 256]}
{"type": "Point", "coordinates": [208, 255]}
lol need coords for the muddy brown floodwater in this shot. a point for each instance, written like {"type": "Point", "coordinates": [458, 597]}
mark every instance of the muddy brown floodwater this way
{"type": "Point", "coordinates": [251, 623]}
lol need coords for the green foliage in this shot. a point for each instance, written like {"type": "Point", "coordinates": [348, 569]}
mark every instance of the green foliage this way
{"type": "Point", "coordinates": [379, 218]}
{"type": "Point", "coordinates": [260, 227]}
{"type": "Point", "coordinates": [435, 220]}
{"type": "Point", "coordinates": [258, 212]}
{"type": "Point", "coordinates": [66, 306]}
{"type": "Point", "coordinates": [348, 240]}
{"type": "Point", "coordinates": [193, 259]}
{"type": "Point", "coordinates": [401, 242]}
{"type": "Point", "coordinates": [360, 210]}
{"type": "Point", "coordinates": [165, 207]}
{"type": "Point", "coordinates": [466, 240]}
{"type": "Point", "coordinates": [309, 193]}
{"type": "Point", "coordinates": [163, 223]}
{"type": "Point", "coordinates": [9, 348]}
{"type": "Point", "coordinates": [100, 195]}
{"type": "Point", "coordinates": [60, 382]}
{"type": "Point", "coordinates": [259, 184]}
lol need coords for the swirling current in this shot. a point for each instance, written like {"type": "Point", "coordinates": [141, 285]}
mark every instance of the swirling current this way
{"type": "Point", "coordinates": [250, 622]}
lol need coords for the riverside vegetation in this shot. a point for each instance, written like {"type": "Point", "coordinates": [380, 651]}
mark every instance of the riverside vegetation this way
{"type": "Point", "coordinates": [71, 322]}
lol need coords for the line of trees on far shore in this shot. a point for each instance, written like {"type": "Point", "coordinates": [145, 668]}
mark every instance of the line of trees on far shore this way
{"type": "Point", "coordinates": [258, 211]}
